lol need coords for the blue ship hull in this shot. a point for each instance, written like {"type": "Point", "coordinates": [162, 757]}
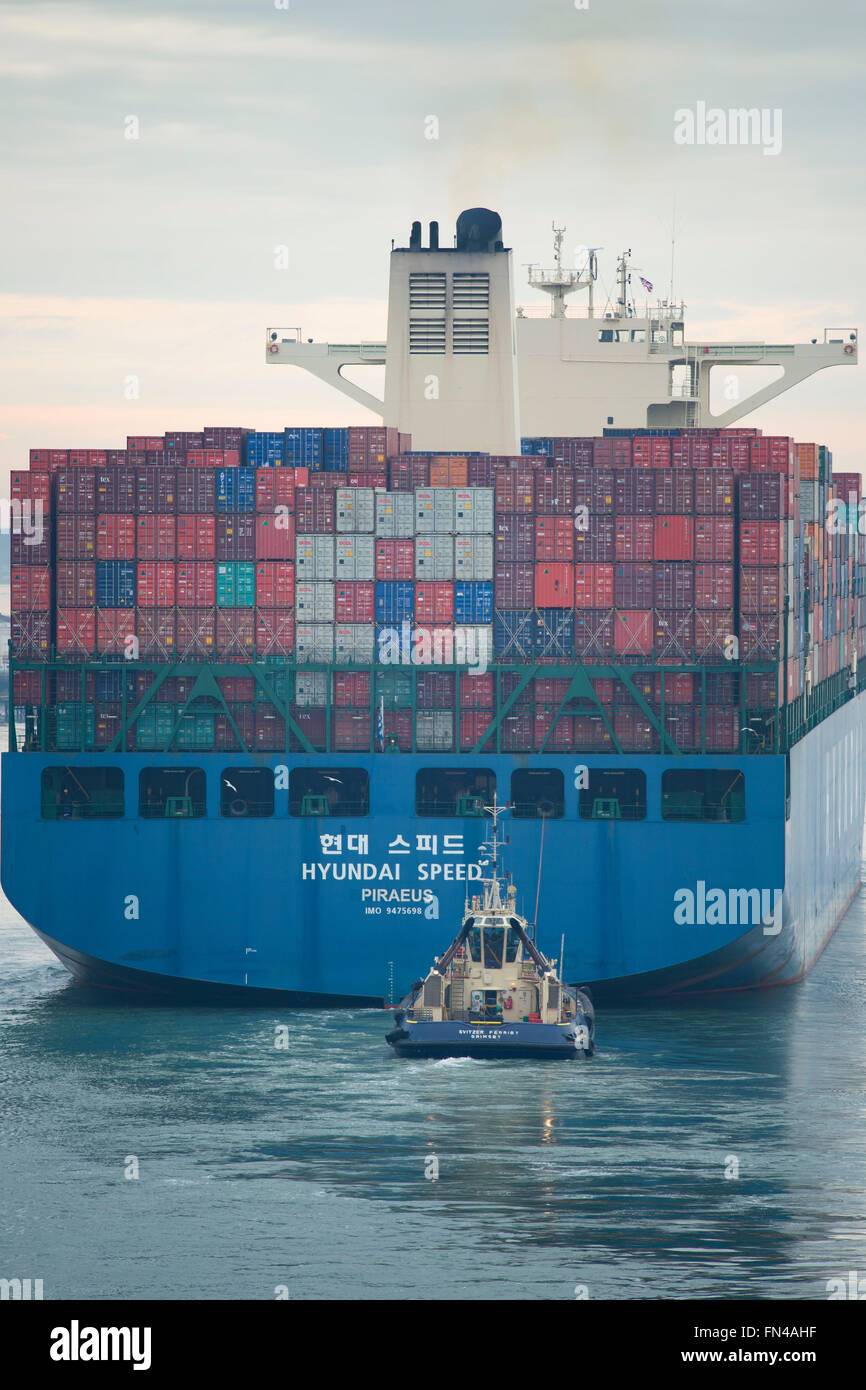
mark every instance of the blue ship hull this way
{"type": "Point", "coordinates": [221, 909]}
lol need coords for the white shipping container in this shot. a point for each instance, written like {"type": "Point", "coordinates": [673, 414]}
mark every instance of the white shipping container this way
{"type": "Point", "coordinates": [434, 510]}
{"type": "Point", "coordinates": [356, 558]}
{"type": "Point", "coordinates": [355, 509]}
{"type": "Point", "coordinates": [473, 557]}
{"type": "Point", "coordinates": [311, 688]}
{"type": "Point", "coordinates": [434, 730]}
{"type": "Point", "coordinates": [473, 511]}
{"type": "Point", "coordinates": [395, 515]}
{"type": "Point", "coordinates": [434, 557]}
{"type": "Point", "coordinates": [354, 642]}
{"type": "Point", "coordinates": [314, 557]}
{"type": "Point", "coordinates": [314, 643]}
{"type": "Point", "coordinates": [314, 603]}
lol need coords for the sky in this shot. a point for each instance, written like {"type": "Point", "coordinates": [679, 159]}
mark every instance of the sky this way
{"type": "Point", "coordinates": [148, 264]}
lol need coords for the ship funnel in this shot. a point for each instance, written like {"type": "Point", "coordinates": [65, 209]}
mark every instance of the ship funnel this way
{"type": "Point", "coordinates": [434, 236]}
{"type": "Point", "coordinates": [479, 229]}
{"type": "Point", "coordinates": [415, 237]}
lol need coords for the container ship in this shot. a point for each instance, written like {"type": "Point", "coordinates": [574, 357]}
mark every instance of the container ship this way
{"type": "Point", "coordinates": [263, 684]}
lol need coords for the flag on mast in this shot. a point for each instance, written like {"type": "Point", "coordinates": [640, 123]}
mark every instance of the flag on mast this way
{"type": "Point", "coordinates": [647, 284]}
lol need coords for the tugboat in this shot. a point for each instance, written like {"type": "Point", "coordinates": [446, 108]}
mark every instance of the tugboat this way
{"type": "Point", "coordinates": [493, 993]}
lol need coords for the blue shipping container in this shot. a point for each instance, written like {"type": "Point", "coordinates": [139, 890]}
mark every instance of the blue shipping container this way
{"type": "Point", "coordinates": [236, 489]}
{"type": "Point", "coordinates": [473, 601]}
{"type": "Point", "coordinates": [115, 584]}
{"type": "Point", "coordinates": [554, 634]}
{"type": "Point", "coordinates": [264, 448]}
{"type": "Point", "coordinates": [512, 634]}
{"type": "Point", "coordinates": [395, 600]}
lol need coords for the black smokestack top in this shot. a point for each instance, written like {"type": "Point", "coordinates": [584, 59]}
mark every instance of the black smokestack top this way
{"type": "Point", "coordinates": [415, 237]}
{"type": "Point", "coordinates": [479, 229]}
{"type": "Point", "coordinates": [434, 236]}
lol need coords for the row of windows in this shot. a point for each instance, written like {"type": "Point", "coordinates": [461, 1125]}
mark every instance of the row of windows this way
{"type": "Point", "coordinates": [688, 794]}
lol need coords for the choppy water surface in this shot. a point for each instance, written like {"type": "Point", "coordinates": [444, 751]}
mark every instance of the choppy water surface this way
{"type": "Point", "coordinates": [306, 1167]}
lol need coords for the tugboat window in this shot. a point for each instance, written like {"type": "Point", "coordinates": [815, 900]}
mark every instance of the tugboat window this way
{"type": "Point", "coordinates": [447, 792]}
{"type": "Point", "coordinates": [538, 793]}
{"type": "Point", "coordinates": [171, 793]}
{"type": "Point", "coordinates": [494, 939]}
{"type": "Point", "coordinates": [512, 946]}
{"type": "Point", "coordinates": [474, 943]}
{"type": "Point", "coordinates": [329, 791]}
{"type": "Point", "coordinates": [82, 793]}
{"type": "Point", "coordinates": [692, 794]}
{"type": "Point", "coordinates": [614, 794]}
{"type": "Point", "coordinates": [246, 792]}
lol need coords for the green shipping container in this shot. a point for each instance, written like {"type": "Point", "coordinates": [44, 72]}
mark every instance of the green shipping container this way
{"type": "Point", "coordinates": [69, 726]}
{"type": "Point", "coordinates": [394, 687]}
{"type": "Point", "coordinates": [236, 584]}
{"type": "Point", "coordinates": [153, 726]}
{"type": "Point", "coordinates": [196, 731]}
{"type": "Point", "coordinates": [282, 683]}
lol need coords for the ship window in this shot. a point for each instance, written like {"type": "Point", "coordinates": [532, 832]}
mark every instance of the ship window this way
{"type": "Point", "coordinates": [605, 335]}
{"type": "Point", "coordinates": [693, 794]}
{"type": "Point", "coordinates": [329, 791]}
{"type": "Point", "coordinates": [494, 940]}
{"type": "Point", "coordinates": [614, 794]}
{"type": "Point", "coordinates": [512, 946]}
{"type": "Point", "coordinates": [171, 793]}
{"type": "Point", "coordinates": [246, 791]}
{"type": "Point", "coordinates": [638, 335]}
{"type": "Point", "coordinates": [82, 793]}
{"type": "Point", "coordinates": [538, 792]}
{"type": "Point", "coordinates": [447, 792]}
{"type": "Point", "coordinates": [474, 943]}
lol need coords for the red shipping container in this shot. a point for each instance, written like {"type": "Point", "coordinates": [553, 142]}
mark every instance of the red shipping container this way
{"type": "Point", "coordinates": [634, 733]}
{"type": "Point", "coordinates": [679, 725]}
{"type": "Point", "coordinates": [673, 538]}
{"type": "Point", "coordinates": [35, 549]}
{"type": "Point", "coordinates": [762, 588]}
{"type": "Point", "coordinates": [354, 601]}
{"type": "Point", "coordinates": [315, 511]}
{"type": "Point", "coordinates": [374, 480]}
{"type": "Point", "coordinates": [593, 633]}
{"type": "Point", "coordinates": [115, 538]}
{"type": "Point", "coordinates": [761, 635]}
{"type": "Point", "coordinates": [212, 458]}
{"type": "Point", "coordinates": [275, 487]}
{"type": "Point", "coordinates": [722, 731]}
{"type": "Point", "coordinates": [554, 538]}
{"type": "Point", "coordinates": [275, 584]}
{"type": "Point", "coordinates": [517, 733]}
{"type": "Point", "coordinates": [476, 692]}
{"type": "Point", "coordinates": [31, 587]}
{"type": "Point", "coordinates": [673, 634]}
{"type": "Point", "coordinates": [236, 537]}
{"type": "Point", "coordinates": [761, 542]}
{"type": "Point", "coordinates": [195, 584]}
{"type": "Point", "coordinates": [155, 537]}
{"type": "Point", "coordinates": [553, 738]}
{"type": "Point", "coordinates": [76, 584]}
{"type": "Point", "coordinates": [76, 490]}
{"type": "Point", "coordinates": [156, 490]}
{"type": "Point", "coordinates": [156, 584]}
{"type": "Point", "coordinates": [352, 689]}
{"type": "Point", "coordinates": [633, 584]}
{"type": "Point", "coordinates": [473, 728]}
{"type": "Point", "coordinates": [225, 737]}
{"type": "Point", "coordinates": [591, 733]}
{"type": "Point", "coordinates": [514, 586]}
{"type": "Point", "coordinates": [714, 586]}
{"type": "Point", "coordinates": [395, 559]}
{"type": "Point", "coordinates": [155, 629]}
{"type": "Point", "coordinates": [196, 490]}
{"type": "Point", "coordinates": [593, 587]}
{"type": "Point", "coordinates": [223, 436]}
{"type": "Point", "coordinates": [673, 585]}
{"type": "Point", "coordinates": [612, 451]}
{"type": "Point", "coordinates": [515, 540]}
{"type": "Point", "coordinates": [633, 493]}
{"type": "Point", "coordinates": [633, 632]}
{"type": "Point", "coordinates": [714, 538]}
{"type": "Point", "coordinates": [76, 537]}
{"type": "Point", "coordinates": [76, 631]}
{"type": "Point", "coordinates": [434, 602]}
{"type": "Point", "coordinates": [235, 634]}
{"type": "Point", "coordinates": [115, 627]}
{"type": "Point", "coordinates": [27, 687]}
{"type": "Point", "coordinates": [435, 690]}
{"type": "Point", "coordinates": [350, 730]}
{"type": "Point", "coordinates": [275, 537]}
{"type": "Point", "coordinates": [514, 490]}
{"type": "Point", "coordinates": [398, 729]}
{"type": "Point", "coordinates": [479, 471]}
{"type": "Point", "coordinates": [633, 537]}
{"type": "Point", "coordinates": [237, 688]}
{"type": "Point", "coordinates": [32, 487]}
{"type": "Point", "coordinates": [714, 491]}
{"type": "Point", "coordinates": [195, 537]}
{"type": "Point", "coordinates": [329, 479]}
{"type": "Point", "coordinates": [116, 490]}
{"type": "Point", "coordinates": [555, 584]}
{"type": "Point", "coordinates": [196, 633]}
{"type": "Point", "coordinates": [48, 460]}
{"type": "Point", "coordinates": [674, 492]}
{"type": "Point", "coordinates": [405, 474]}
{"type": "Point", "coordinates": [31, 633]}
{"type": "Point", "coordinates": [598, 544]}
{"type": "Point", "coordinates": [275, 632]}
{"type": "Point", "coordinates": [371, 444]}
{"type": "Point", "coordinates": [554, 492]}
{"type": "Point", "coordinates": [713, 627]}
